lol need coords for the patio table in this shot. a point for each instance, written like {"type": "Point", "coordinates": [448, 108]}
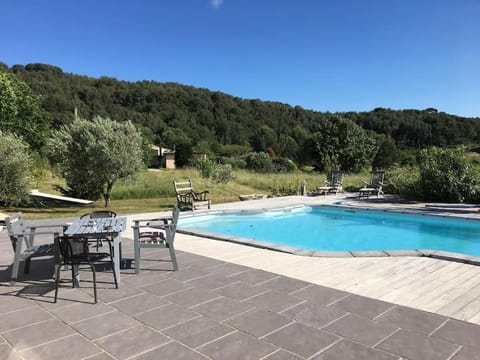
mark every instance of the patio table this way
{"type": "Point", "coordinates": [101, 228]}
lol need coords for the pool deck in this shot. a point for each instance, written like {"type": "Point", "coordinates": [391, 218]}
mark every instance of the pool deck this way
{"type": "Point", "coordinates": [231, 301]}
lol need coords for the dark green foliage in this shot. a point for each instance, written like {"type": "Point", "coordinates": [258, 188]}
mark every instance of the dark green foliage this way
{"type": "Point", "coordinates": [340, 144]}
{"type": "Point", "coordinates": [446, 175]}
{"type": "Point", "coordinates": [387, 153]}
{"type": "Point", "coordinates": [15, 169]}
{"type": "Point", "coordinates": [173, 113]}
{"type": "Point", "coordinates": [20, 112]}
{"type": "Point", "coordinates": [183, 153]}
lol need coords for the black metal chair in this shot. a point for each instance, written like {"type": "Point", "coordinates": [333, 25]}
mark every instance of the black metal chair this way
{"type": "Point", "coordinates": [97, 215]}
{"type": "Point", "coordinates": [75, 252]}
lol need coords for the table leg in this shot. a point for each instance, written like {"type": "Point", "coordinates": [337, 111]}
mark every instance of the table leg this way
{"type": "Point", "coordinates": [76, 276]}
{"type": "Point", "coordinates": [117, 256]}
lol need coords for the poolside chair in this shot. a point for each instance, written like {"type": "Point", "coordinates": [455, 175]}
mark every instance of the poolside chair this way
{"type": "Point", "coordinates": [374, 187]}
{"type": "Point", "coordinates": [187, 198]}
{"type": "Point", "coordinates": [75, 252]}
{"type": "Point", "coordinates": [97, 215]}
{"type": "Point", "coordinates": [22, 239]}
{"type": "Point", "coordinates": [156, 239]}
{"type": "Point", "coordinates": [335, 185]}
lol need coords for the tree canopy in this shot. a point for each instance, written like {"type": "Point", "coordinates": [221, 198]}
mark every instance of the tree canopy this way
{"type": "Point", "coordinates": [93, 155]}
{"type": "Point", "coordinates": [21, 113]}
{"type": "Point", "coordinates": [169, 113]}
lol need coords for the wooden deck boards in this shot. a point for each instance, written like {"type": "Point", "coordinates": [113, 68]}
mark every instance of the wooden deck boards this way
{"type": "Point", "coordinates": [433, 285]}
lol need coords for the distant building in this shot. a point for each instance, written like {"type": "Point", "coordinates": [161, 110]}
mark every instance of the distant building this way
{"type": "Point", "coordinates": [162, 157]}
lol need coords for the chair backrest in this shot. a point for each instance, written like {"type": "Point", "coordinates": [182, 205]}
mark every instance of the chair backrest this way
{"type": "Point", "coordinates": [15, 226]}
{"type": "Point", "coordinates": [377, 178]}
{"type": "Point", "coordinates": [183, 187]}
{"type": "Point", "coordinates": [72, 247]}
{"type": "Point", "coordinates": [337, 178]}
{"type": "Point", "coordinates": [99, 214]}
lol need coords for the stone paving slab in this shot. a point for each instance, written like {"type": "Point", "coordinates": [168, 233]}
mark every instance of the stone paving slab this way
{"type": "Point", "coordinates": [228, 311]}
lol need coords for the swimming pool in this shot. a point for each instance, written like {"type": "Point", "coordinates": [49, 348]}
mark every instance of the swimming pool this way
{"type": "Point", "coordinates": [326, 228]}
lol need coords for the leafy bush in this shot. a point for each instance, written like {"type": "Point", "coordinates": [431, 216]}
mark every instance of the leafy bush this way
{"type": "Point", "coordinates": [15, 167]}
{"type": "Point", "coordinates": [283, 165]}
{"type": "Point", "coordinates": [404, 181]}
{"type": "Point", "coordinates": [222, 173]}
{"type": "Point", "coordinates": [237, 163]}
{"type": "Point", "coordinates": [259, 162]}
{"type": "Point", "coordinates": [205, 168]}
{"type": "Point", "coordinates": [446, 175]}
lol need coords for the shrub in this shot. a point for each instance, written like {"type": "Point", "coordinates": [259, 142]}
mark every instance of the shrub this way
{"type": "Point", "coordinates": [404, 181]}
{"type": "Point", "coordinates": [283, 165]}
{"type": "Point", "coordinates": [15, 167]}
{"type": "Point", "coordinates": [446, 175]}
{"type": "Point", "coordinates": [205, 168]}
{"type": "Point", "coordinates": [259, 162]}
{"type": "Point", "coordinates": [222, 173]}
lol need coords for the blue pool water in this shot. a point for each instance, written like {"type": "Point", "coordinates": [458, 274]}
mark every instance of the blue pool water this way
{"type": "Point", "coordinates": [342, 229]}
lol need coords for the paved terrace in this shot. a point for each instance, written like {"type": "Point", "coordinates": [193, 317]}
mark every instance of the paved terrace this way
{"type": "Point", "coordinates": [231, 301]}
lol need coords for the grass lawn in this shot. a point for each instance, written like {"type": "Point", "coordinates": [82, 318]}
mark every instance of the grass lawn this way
{"type": "Point", "coordinates": [153, 190]}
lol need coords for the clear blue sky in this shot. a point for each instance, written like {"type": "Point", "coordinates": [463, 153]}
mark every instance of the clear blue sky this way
{"type": "Point", "coordinates": [326, 55]}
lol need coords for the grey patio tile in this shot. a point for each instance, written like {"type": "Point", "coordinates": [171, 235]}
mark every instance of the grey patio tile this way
{"type": "Point", "coordinates": [24, 317]}
{"type": "Point", "coordinates": [101, 356]}
{"type": "Point", "coordinates": [37, 334]}
{"type": "Point", "coordinates": [274, 301]}
{"type": "Point", "coordinates": [144, 278]}
{"type": "Point", "coordinates": [188, 273]}
{"type": "Point", "coordinates": [192, 297]}
{"type": "Point", "coordinates": [104, 325]}
{"type": "Point", "coordinates": [198, 331]}
{"type": "Point", "coordinates": [254, 276]}
{"type": "Point", "coordinates": [313, 315]}
{"type": "Point", "coordinates": [228, 269]}
{"type": "Point", "coordinates": [10, 303]}
{"type": "Point", "coordinates": [301, 339]}
{"type": "Point", "coordinates": [285, 284]}
{"type": "Point", "coordinates": [237, 346]}
{"type": "Point", "coordinates": [7, 353]}
{"type": "Point", "coordinates": [360, 329]}
{"type": "Point", "coordinates": [132, 342]}
{"type": "Point", "coordinates": [172, 350]}
{"type": "Point", "coordinates": [211, 282]}
{"type": "Point", "coordinates": [361, 305]}
{"type": "Point", "coordinates": [81, 311]}
{"type": "Point", "coordinates": [411, 319]}
{"type": "Point", "coordinates": [459, 332]}
{"type": "Point", "coordinates": [282, 355]}
{"type": "Point", "coordinates": [66, 297]}
{"type": "Point", "coordinates": [241, 290]}
{"type": "Point", "coordinates": [166, 316]}
{"type": "Point", "coordinates": [415, 346]}
{"type": "Point", "coordinates": [123, 291]}
{"type": "Point", "coordinates": [167, 287]}
{"type": "Point", "coordinates": [139, 303]}
{"type": "Point", "coordinates": [258, 322]}
{"type": "Point", "coordinates": [467, 353]}
{"type": "Point", "coordinates": [203, 262]}
{"type": "Point", "coordinates": [74, 347]}
{"type": "Point", "coordinates": [319, 294]}
{"type": "Point", "coordinates": [347, 350]}
{"type": "Point", "coordinates": [222, 308]}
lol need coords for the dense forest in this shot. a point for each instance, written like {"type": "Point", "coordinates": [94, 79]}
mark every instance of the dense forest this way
{"type": "Point", "coordinates": [171, 112]}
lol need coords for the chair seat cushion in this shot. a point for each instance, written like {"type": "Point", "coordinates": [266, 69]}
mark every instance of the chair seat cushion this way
{"type": "Point", "coordinates": [152, 237]}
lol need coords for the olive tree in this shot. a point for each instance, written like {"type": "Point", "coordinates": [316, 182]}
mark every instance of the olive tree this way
{"type": "Point", "coordinates": [15, 167]}
{"type": "Point", "coordinates": [93, 155]}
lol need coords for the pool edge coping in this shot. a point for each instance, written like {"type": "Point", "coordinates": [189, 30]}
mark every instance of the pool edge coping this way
{"type": "Point", "coordinates": [431, 253]}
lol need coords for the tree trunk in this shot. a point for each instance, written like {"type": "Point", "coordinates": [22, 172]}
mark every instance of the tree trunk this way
{"type": "Point", "coordinates": [107, 194]}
